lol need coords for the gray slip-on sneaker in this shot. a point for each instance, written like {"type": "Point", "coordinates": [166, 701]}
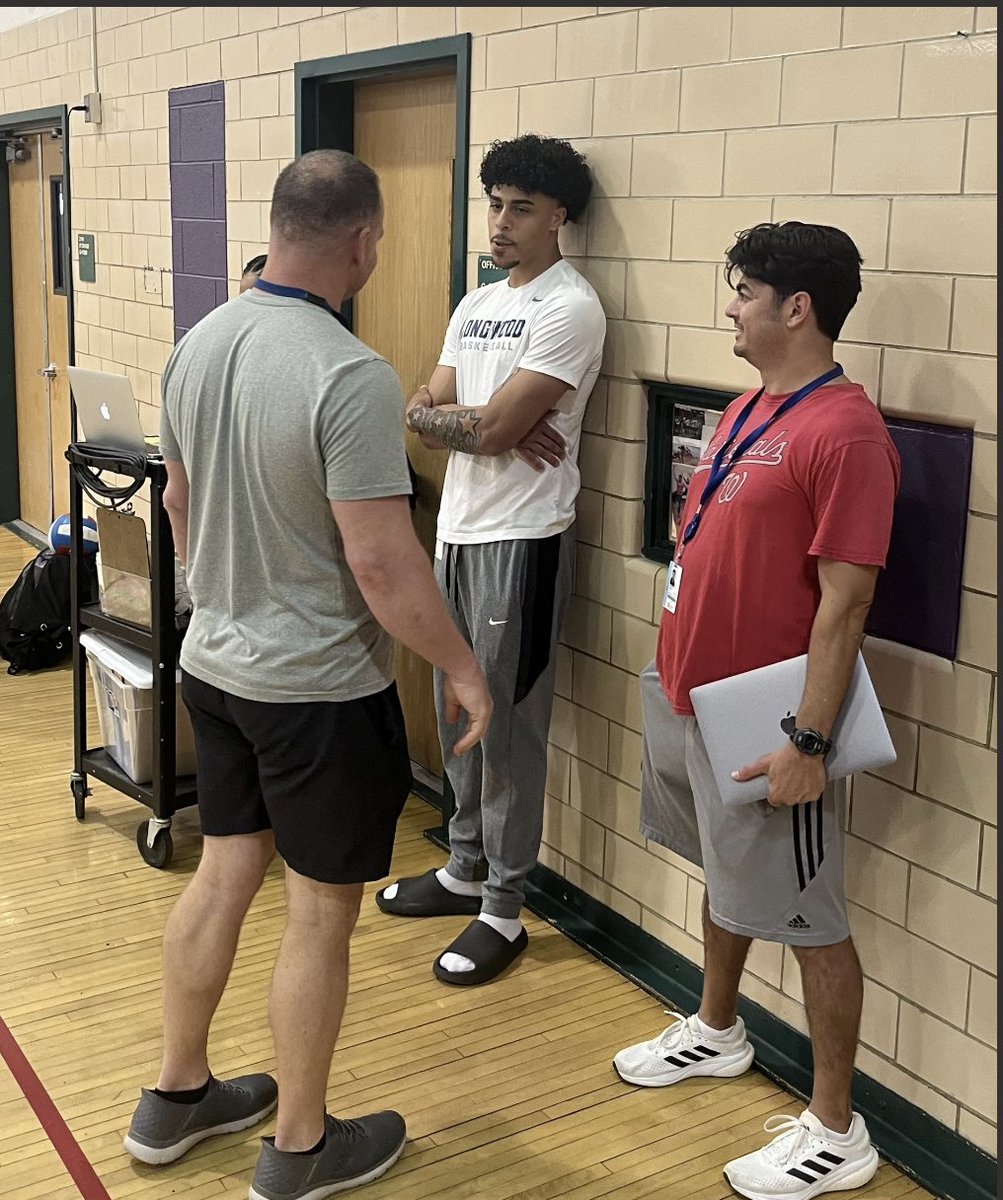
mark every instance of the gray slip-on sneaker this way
{"type": "Point", "coordinates": [355, 1152]}
{"type": "Point", "coordinates": [163, 1130]}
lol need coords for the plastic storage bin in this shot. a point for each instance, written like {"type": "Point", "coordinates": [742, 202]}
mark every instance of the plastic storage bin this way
{"type": "Point", "coordinates": [122, 676]}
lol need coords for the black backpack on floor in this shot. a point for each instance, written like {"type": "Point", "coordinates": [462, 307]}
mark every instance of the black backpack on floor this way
{"type": "Point", "coordinates": [35, 612]}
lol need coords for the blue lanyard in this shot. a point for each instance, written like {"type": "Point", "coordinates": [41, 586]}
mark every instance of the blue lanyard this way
{"type": "Point", "coordinates": [280, 289]}
{"type": "Point", "coordinates": [719, 468]}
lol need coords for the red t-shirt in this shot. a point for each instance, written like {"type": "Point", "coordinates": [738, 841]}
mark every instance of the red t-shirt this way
{"type": "Point", "coordinates": [819, 483]}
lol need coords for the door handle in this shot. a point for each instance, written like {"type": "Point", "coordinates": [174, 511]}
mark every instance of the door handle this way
{"type": "Point", "coordinates": [49, 372]}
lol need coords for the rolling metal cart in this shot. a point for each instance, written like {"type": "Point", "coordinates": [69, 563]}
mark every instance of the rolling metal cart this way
{"type": "Point", "coordinates": [167, 792]}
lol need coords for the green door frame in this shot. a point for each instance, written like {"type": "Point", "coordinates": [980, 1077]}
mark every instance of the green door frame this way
{"type": "Point", "coordinates": [325, 114]}
{"type": "Point", "coordinates": [16, 125]}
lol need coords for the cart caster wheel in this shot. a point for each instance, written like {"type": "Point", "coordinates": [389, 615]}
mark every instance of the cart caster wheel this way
{"type": "Point", "coordinates": [80, 790]}
{"type": "Point", "coordinates": [161, 852]}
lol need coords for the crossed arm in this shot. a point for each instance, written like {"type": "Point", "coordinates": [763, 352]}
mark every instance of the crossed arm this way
{"type": "Point", "coordinates": [514, 418]}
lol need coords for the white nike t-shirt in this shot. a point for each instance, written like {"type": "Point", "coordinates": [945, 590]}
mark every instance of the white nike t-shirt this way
{"type": "Point", "coordinates": [553, 325]}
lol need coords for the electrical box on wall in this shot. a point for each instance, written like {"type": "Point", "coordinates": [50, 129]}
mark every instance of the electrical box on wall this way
{"type": "Point", "coordinates": [92, 108]}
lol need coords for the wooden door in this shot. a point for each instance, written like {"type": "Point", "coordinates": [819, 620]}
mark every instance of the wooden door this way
{"type": "Point", "coordinates": [57, 324]}
{"type": "Point", "coordinates": [41, 336]}
{"type": "Point", "coordinates": [405, 130]}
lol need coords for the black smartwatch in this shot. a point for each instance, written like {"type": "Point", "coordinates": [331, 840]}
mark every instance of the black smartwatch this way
{"type": "Point", "coordinates": [810, 742]}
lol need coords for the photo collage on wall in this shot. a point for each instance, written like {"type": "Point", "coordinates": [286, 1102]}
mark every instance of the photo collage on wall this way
{"type": "Point", "coordinates": [692, 429]}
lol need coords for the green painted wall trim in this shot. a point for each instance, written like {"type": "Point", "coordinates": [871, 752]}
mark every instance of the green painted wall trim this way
{"type": "Point", "coordinates": [936, 1157]}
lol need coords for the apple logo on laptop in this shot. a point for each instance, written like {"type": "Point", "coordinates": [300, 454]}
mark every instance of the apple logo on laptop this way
{"type": "Point", "coordinates": [103, 410]}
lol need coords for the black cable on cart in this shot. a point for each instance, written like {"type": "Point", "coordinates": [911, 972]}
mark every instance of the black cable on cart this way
{"type": "Point", "coordinates": [89, 461]}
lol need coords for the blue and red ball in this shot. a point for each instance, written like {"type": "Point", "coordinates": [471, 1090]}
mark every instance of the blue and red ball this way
{"type": "Point", "coordinates": [59, 535]}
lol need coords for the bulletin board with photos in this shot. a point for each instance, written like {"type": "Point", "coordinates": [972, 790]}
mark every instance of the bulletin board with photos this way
{"type": "Point", "coordinates": [681, 422]}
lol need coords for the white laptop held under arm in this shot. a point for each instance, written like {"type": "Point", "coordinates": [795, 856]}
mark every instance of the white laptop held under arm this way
{"type": "Point", "coordinates": [739, 719]}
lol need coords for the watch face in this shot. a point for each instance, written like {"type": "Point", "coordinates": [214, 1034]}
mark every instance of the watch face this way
{"type": "Point", "coordinates": [809, 742]}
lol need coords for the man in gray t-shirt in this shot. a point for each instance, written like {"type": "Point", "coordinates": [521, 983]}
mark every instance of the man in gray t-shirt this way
{"type": "Point", "coordinates": [287, 495]}
{"type": "Point", "coordinates": [278, 615]}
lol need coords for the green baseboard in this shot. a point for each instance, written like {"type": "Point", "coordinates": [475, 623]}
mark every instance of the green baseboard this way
{"type": "Point", "coordinates": [938, 1158]}
{"type": "Point", "coordinates": [26, 534]}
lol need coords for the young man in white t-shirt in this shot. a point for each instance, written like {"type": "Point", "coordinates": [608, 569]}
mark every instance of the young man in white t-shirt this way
{"type": "Point", "coordinates": [507, 399]}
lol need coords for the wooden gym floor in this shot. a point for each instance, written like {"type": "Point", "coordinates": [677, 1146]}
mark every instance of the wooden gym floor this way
{"type": "Point", "coordinates": [507, 1089]}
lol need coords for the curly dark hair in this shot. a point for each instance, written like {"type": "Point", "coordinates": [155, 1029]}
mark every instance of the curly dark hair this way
{"type": "Point", "coordinates": [550, 166]}
{"type": "Point", "coordinates": [792, 257]}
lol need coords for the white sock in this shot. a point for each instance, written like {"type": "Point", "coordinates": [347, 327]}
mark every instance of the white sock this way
{"type": "Point", "coordinates": [837, 1137]}
{"type": "Point", "coordinates": [711, 1032]}
{"type": "Point", "coordinates": [459, 887]}
{"type": "Point", "coordinates": [508, 927]}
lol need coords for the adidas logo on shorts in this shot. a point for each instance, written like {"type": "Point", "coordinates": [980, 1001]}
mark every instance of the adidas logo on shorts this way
{"type": "Point", "coordinates": [798, 922]}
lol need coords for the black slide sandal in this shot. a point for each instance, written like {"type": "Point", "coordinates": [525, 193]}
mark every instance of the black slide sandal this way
{"type": "Point", "coordinates": [424, 896]}
{"type": "Point", "coordinates": [490, 950]}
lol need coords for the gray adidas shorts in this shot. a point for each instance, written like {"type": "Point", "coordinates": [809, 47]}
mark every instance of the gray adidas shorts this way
{"type": "Point", "coordinates": [771, 874]}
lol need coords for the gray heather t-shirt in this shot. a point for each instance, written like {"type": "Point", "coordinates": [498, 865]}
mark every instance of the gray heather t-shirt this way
{"type": "Point", "coordinates": [275, 409]}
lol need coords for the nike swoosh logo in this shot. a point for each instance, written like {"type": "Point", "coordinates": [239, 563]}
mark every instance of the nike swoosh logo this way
{"type": "Point", "coordinates": [492, 621]}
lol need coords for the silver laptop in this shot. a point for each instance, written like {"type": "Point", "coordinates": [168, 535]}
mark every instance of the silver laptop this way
{"type": "Point", "coordinates": [107, 413]}
{"type": "Point", "coordinates": [739, 720]}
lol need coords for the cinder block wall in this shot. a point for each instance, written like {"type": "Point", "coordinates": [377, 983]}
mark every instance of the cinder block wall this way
{"type": "Point", "coordinates": [698, 122]}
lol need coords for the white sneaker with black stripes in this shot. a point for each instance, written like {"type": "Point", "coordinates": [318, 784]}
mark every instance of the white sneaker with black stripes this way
{"type": "Point", "coordinates": [683, 1050]}
{"type": "Point", "coordinates": [804, 1160]}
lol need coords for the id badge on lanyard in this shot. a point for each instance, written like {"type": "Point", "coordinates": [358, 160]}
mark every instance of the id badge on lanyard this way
{"type": "Point", "coordinates": [672, 585]}
{"type": "Point", "coordinates": [721, 466]}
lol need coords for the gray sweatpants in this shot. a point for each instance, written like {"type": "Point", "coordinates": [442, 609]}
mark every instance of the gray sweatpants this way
{"type": "Point", "coordinates": [508, 599]}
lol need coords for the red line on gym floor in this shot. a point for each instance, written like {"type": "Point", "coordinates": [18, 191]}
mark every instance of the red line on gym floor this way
{"type": "Point", "coordinates": [63, 1141]}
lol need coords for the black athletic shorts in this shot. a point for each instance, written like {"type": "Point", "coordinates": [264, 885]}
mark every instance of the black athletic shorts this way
{"type": "Point", "coordinates": [329, 777]}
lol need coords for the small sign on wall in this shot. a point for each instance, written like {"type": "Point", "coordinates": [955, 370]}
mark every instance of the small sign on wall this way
{"type": "Point", "coordinates": [86, 257]}
{"type": "Point", "coordinates": [487, 272]}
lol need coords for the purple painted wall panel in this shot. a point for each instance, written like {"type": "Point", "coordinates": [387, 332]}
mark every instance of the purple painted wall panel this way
{"type": "Point", "coordinates": [197, 133]}
{"type": "Point", "coordinates": [202, 252]}
{"type": "Point", "coordinates": [192, 191]}
{"type": "Point", "coordinates": [197, 126]}
{"type": "Point", "coordinates": [192, 294]}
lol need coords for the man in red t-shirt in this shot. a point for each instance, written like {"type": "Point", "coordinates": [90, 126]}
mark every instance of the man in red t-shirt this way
{"type": "Point", "coordinates": [786, 525]}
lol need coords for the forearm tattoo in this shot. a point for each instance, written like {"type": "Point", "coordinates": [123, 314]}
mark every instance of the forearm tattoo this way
{"type": "Point", "coordinates": [455, 429]}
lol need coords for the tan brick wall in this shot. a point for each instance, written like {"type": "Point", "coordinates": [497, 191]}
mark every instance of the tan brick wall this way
{"type": "Point", "coordinates": [698, 122]}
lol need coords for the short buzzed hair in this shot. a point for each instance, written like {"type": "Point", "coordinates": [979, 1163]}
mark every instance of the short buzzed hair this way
{"type": "Point", "coordinates": [322, 194]}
